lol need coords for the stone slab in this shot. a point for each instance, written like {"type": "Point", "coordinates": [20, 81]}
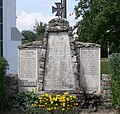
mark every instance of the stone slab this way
{"type": "Point", "coordinates": [28, 69]}
{"type": "Point", "coordinates": [28, 63]}
{"type": "Point", "coordinates": [90, 69]}
{"type": "Point", "coordinates": [58, 70]}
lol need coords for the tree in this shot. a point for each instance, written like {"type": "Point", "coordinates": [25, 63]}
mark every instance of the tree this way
{"type": "Point", "coordinates": [36, 34]}
{"type": "Point", "coordinates": [29, 36]}
{"type": "Point", "coordinates": [100, 22]}
{"type": "Point", "coordinates": [39, 29]}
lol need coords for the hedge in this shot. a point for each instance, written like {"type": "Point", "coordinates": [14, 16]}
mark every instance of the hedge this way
{"type": "Point", "coordinates": [115, 79]}
{"type": "Point", "coordinates": [3, 89]}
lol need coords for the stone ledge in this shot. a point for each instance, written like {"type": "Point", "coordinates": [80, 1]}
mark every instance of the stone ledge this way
{"type": "Point", "coordinates": [87, 45]}
{"type": "Point", "coordinates": [35, 44]}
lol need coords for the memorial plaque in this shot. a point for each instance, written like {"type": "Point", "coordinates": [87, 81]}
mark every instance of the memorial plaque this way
{"type": "Point", "coordinates": [58, 71]}
{"type": "Point", "coordinates": [28, 64]}
{"type": "Point", "coordinates": [90, 69]}
{"type": "Point", "coordinates": [28, 69]}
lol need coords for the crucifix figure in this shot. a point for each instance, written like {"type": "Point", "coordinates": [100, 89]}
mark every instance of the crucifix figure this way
{"type": "Point", "coordinates": [60, 9]}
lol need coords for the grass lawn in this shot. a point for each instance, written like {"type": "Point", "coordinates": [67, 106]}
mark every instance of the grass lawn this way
{"type": "Point", "coordinates": [105, 67]}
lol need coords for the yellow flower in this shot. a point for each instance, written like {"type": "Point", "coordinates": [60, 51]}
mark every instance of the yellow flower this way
{"type": "Point", "coordinates": [63, 97]}
{"type": "Point", "coordinates": [76, 104]}
{"type": "Point", "coordinates": [66, 93]}
{"type": "Point", "coordinates": [50, 99]}
{"type": "Point", "coordinates": [34, 105]}
{"type": "Point", "coordinates": [74, 96]}
{"type": "Point", "coordinates": [40, 98]}
{"type": "Point", "coordinates": [54, 99]}
{"type": "Point", "coordinates": [40, 101]}
{"type": "Point", "coordinates": [50, 96]}
{"type": "Point", "coordinates": [40, 106]}
{"type": "Point", "coordinates": [51, 102]}
{"type": "Point", "coordinates": [63, 108]}
{"type": "Point", "coordinates": [49, 109]}
{"type": "Point", "coordinates": [58, 95]}
{"type": "Point", "coordinates": [67, 99]}
{"type": "Point", "coordinates": [55, 108]}
{"type": "Point", "coordinates": [47, 95]}
{"type": "Point", "coordinates": [63, 104]}
{"type": "Point", "coordinates": [45, 98]}
{"type": "Point", "coordinates": [73, 101]}
{"type": "Point", "coordinates": [56, 104]}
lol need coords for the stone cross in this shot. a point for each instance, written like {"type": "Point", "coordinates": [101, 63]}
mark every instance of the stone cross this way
{"type": "Point", "coordinates": [59, 9]}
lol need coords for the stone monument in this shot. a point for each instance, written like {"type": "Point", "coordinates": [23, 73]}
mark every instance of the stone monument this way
{"type": "Point", "coordinates": [58, 64]}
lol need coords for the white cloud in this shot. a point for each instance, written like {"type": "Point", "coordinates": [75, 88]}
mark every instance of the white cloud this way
{"type": "Point", "coordinates": [26, 21]}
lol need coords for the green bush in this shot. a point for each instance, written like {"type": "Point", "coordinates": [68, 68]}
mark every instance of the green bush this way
{"type": "Point", "coordinates": [23, 101]}
{"type": "Point", "coordinates": [3, 66]}
{"type": "Point", "coordinates": [30, 103]}
{"type": "Point", "coordinates": [115, 79]}
{"type": "Point", "coordinates": [3, 89]}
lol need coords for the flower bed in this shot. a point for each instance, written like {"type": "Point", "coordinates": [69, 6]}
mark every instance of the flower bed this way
{"type": "Point", "coordinates": [57, 103]}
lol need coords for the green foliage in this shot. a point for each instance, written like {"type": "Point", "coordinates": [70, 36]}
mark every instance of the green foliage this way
{"type": "Point", "coordinates": [23, 101]}
{"type": "Point", "coordinates": [100, 22]}
{"type": "Point", "coordinates": [28, 102]}
{"type": "Point", "coordinates": [61, 104]}
{"type": "Point", "coordinates": [105, 66]}
{"type": "Point", "coordinates": [28, 35]}
{"type": "Point", "coordinates": [36, 34]}
{"type": "Point", "coordinates": [3, 89]}
{"type": "Point", "coordinates": [115, 79]}
{"type": "Point", "coordinates": [3, 66]}
{"type": "Point", "coordinates": [39, 29]}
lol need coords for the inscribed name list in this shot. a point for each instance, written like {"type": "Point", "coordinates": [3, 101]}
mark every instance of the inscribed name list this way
{"type": "Point", "coordinates": [90, 68]}
{"type": "Point", "coordinates": [28, 64]}
{"type": "Point", "coordinates": [58, 71]}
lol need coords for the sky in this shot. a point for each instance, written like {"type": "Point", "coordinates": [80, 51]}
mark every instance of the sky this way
{"type": "Point", "coordinates": [28, 11]}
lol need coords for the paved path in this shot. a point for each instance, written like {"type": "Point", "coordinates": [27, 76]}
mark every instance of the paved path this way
{"type": "Point", "coordinates": [85, 112]}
